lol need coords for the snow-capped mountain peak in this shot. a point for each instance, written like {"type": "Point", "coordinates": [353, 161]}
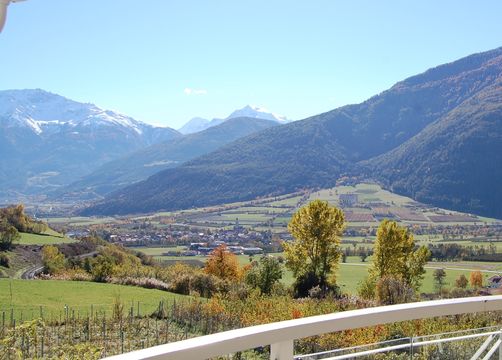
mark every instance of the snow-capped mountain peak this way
{"type": "Point", "coordinates": [40, 111]}
{"type": "Point", "coordinates": [251, 111]}
{"type": "Point", "coordinates": [257, 112]}
{"type": "Point", "coordinates": [194, 125]}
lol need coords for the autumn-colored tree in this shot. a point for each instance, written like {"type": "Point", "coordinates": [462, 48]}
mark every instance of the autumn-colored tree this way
{"type": "Point", "coordinates": [461, 282]}
{"type": "Point", "coordinates": [102, 267]}
{"type": "Point", "coordinates": [223, 264]}
{"type": "Point", "coordinates": [476, 279]}
{"type": "Point", "coordinates": [395, 255]}
{"type": "Point", "coordinates": [52, 259]}
{"type": "Point", "coordinates": [8, 235]}
{"type": "Point", "coordinates": [314, 254]}
{"type": "Point", "coordinates": [15, 216]}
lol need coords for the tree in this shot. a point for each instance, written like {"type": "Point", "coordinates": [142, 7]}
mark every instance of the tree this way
{"type": "Point", "coordinates": [8, 235]}
{"type": "Point", "coordinates": [102, 267]}
{"type": "Point", "coordinates": [314, 254]}
{"type": "Point", "coordinates": [265, 274]}
{"type": "Point", "coordinates": [52, 259]}
{"type": "Point", "coordinates": [439, 275]}
{"type": "Point", "coordinates": [223, 264]}
{"type": "Point", "coordinates": [476, 279]}
{"type": "Point", "coordinates": [461, 282]}
{"type": "Point", "coordinates": [363, 254]}
{"type": "Point", "coordinates": [395, 255]}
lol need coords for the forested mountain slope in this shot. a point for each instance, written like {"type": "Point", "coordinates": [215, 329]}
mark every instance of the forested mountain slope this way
{"type": "Point", "coordinates": [316, 151]}
{"type": "Point", "coordinates": [145, 162]}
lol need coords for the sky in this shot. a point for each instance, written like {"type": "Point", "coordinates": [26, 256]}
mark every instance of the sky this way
{"type": "Point", "coordinates": [166, 61]}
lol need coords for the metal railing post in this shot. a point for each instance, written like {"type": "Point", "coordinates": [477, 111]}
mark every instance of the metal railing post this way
{"type": "Point", "coordinates": [282, 351]}
{"type": "Point", "coordinates": [500, 346]}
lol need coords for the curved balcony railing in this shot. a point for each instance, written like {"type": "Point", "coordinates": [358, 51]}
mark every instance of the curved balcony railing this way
{"type": "Point", "coordinates": [281, 335]}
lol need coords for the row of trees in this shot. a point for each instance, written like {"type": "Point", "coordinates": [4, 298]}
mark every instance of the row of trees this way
{"type": "Point", "coordinates": [452, 251]}
{"type": "Point", "coordinates": [397, 267]}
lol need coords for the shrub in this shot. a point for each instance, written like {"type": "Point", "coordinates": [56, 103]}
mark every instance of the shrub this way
{"type": "Point", "coordinates": [366, 289]}
{"type": "Point", "coordinates": [102, 268]}
{"type": "Point", "coordinates": [461, 282]}
{"type": "Point", "coordinates": [4, 260]}
{"type": "Point", "coordinates": [53, 261]}
{"type": "Point", "coordinates": [205, 284]}
{"type": "Point", "coordinates": [391, 290]}
{"type": "Point", "coordinates": [147, 283]}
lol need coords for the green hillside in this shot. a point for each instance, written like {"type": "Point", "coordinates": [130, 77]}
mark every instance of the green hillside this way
{"type": "Point", "coordinates": [29, 295]}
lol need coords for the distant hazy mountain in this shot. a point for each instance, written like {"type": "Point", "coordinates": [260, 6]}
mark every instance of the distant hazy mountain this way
{"type": "Point", "coordinates": [194, 125]}
{"type": "Point", "coordinates": [199, 124]}
{"type": "Point", "coordinates": [47, 140]}
{"type": "Point", "coordinates": [258, 113]}
{"type": "Point", "coordinates": [143, 163]}
{"type": "Point", "coordinates": [436, 136]}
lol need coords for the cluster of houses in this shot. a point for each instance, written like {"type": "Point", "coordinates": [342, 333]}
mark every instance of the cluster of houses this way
{"type": "Point", "coordinates": [206, 248]}
{"type": "Point", "coordinates": [186, 236]}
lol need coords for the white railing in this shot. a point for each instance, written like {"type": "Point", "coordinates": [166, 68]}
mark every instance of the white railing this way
{"type": "Point", "coordinates": [492, 343]}
{"type": "Point", "coordinates": [280, 335]}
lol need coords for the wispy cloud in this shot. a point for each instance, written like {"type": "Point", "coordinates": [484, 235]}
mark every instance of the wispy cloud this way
{"type": "Point", "coordinates": [190, 91]}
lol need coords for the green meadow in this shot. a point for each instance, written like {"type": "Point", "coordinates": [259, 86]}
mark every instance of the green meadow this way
{"type": "Point", "coordinates": [28, 296]}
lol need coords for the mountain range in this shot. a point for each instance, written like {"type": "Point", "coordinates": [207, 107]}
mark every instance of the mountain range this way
{"type": "Point", "coordinates": [145, 162]}
{"type": "Point", "coordinates": [47, 140]}
{"type": "Point", "coordinates": [249, 111]}
{"type": "Point", "coordinates": [436, 136]}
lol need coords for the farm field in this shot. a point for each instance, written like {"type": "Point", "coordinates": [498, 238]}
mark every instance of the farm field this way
{"type": "Point", "coordinates": [351, 274]}
{"type": "Point", "coordinates": [27, 296]}
{"type": "Point", "coordinates": [158, 251]}
{"type": "Point", "coordinates": [369, 204]}
{"type": "Point", "coordinates": [81, 220]}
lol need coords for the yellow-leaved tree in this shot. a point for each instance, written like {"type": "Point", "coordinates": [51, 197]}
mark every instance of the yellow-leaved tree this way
{"type": "Point", "coordinates": [395, 255]}
{"type": "Point", "coordinates": [314, 254]}
{"type": "Point", "coordinates": [223, 264]}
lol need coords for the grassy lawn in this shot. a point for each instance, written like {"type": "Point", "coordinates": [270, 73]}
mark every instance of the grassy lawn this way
{"type": "Point", "coordinates": [82, 220]}
{"type": "Point", "coordinates": [350, 274]}
{"type": "Point", "coordinates": [29, 295]}
{"type": "Point", "coordinates": [158, 251]}
{"type": "Point", "coordinates": [50, 238]}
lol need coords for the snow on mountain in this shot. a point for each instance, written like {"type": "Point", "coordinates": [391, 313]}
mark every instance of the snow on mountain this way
{"type": "Point", "coordinates": [198, 124]}
{"type": "Point", "coordinates": [40, 110]}
{"type": "Point", "coordinates": [194, 125]}
{"type": "Point", "coordinates": [257, 112]}
{"type": "Point", "coordinates": [43, 133]}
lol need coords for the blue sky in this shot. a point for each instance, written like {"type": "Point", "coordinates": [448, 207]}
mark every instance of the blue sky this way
{"type": "Point", "coordinates": [166, 61]}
